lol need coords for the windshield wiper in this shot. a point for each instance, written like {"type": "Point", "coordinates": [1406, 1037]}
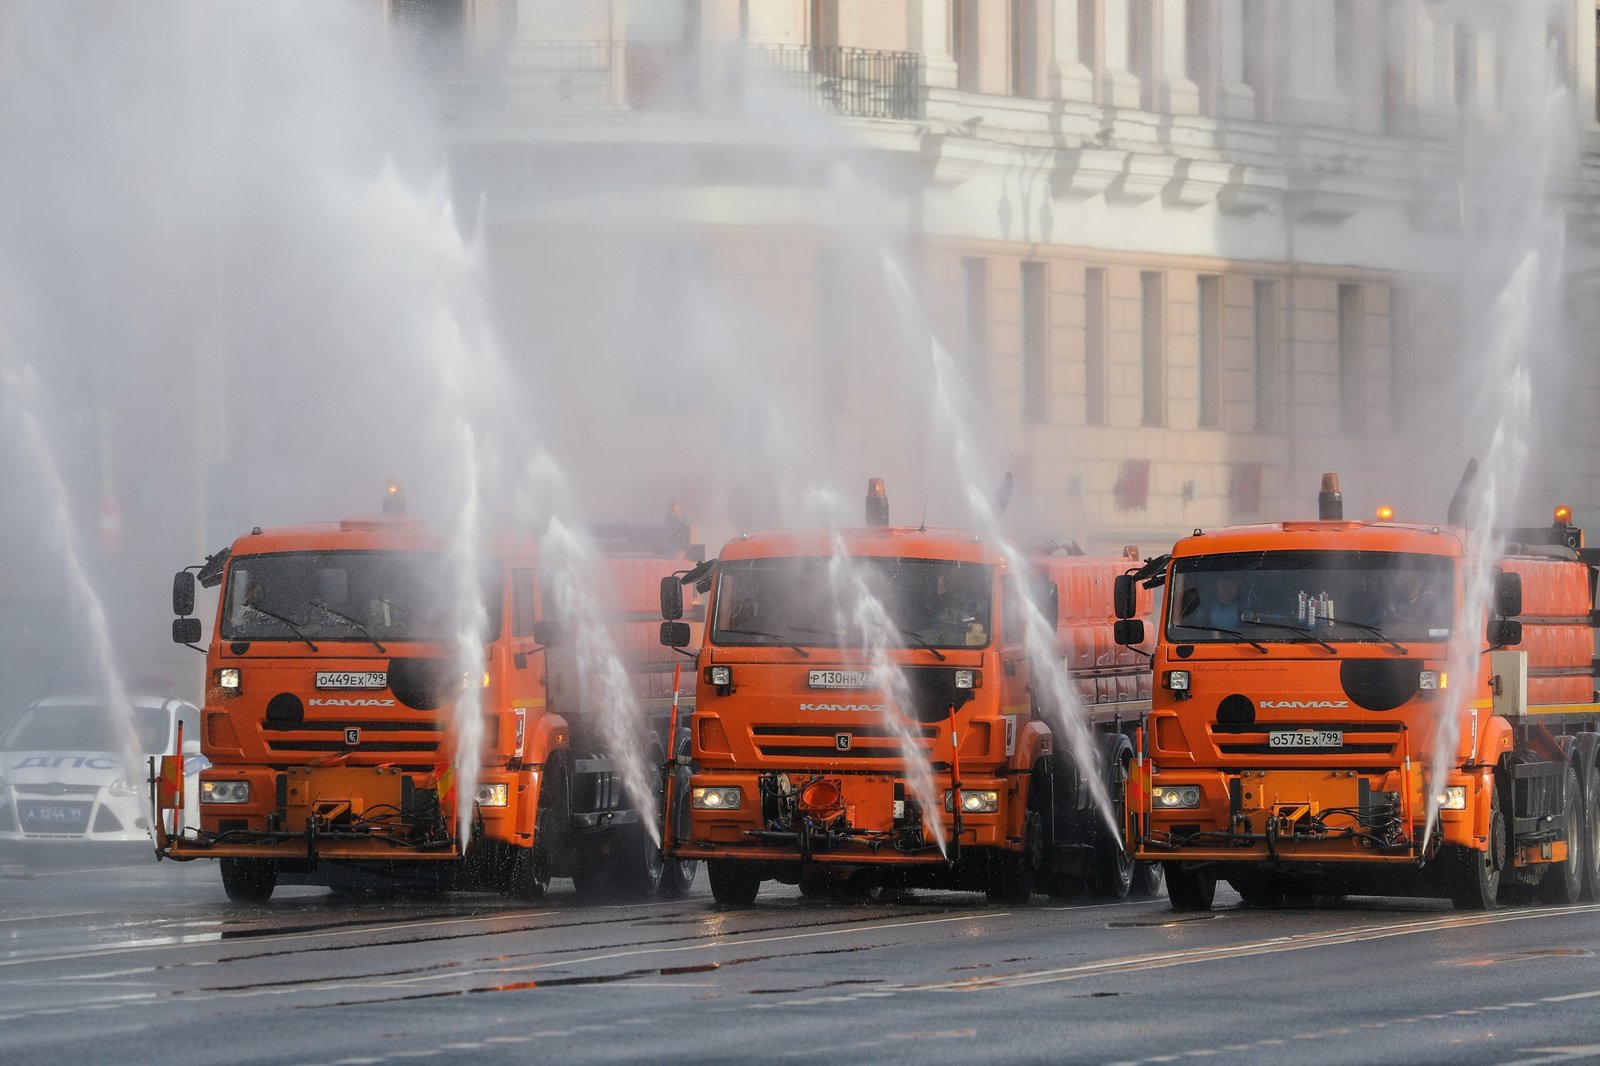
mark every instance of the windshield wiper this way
{"type": "Point", "coordinates": [292, 627]}
{"type": "Point", "coordinates": [319, 605]}
{"type": "Point", "coordinates": [1374, 630]}
{"type": "Point", "coordinates": [1229, 632]}
{"type": "Point", "coordinates": [785, 641]}
{"type": "Point", "coordinates": [1291, 627]}
{"type": "Point", "coordinates": [921, 641]}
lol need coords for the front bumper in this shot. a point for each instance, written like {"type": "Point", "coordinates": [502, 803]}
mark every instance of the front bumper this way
{"type": "Point", "coordinates": [842, 819]}
{"type": "Point", "coordinates": [1305, 816]}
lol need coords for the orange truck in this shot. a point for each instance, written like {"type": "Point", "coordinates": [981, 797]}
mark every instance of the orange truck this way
{"type": "Point", "coordinates": [330, 685]}
{"type": "Point", "coordinates": [831, 759]}
{"type": "Point", "coordinates": [1308, 735]}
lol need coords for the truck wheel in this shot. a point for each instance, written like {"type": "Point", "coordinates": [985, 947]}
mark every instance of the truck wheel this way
{"type": "Point", "coordinates": [1563, 881]}
{"type": "Point", "coordinates": [733, 883]}
{"type": "Point", "coordinates": [526, 875]}
{"type": "Point", "coordinates": [678, 878]}
{"type": "Point", "coordinates": [1475, 881]}
{"type": "Point", "coordinates": [1257, 889]}
{"type": "Point", "coordinates": [1190, 889]}
{"type": "Point", "coordinates": [1113, 872]}
{"type": "Point", "coordinates": [249, 880]}
{"type": "Point", "coordinates": [1591, 835]}
{"type": "Point", "coordinates": [640, 866]}
{"type": "Point", "coordinates": [1147, 881]}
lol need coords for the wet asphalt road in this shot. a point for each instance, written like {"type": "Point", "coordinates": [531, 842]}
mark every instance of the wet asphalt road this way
{"type": "Point", "coordinates": [127, 960]}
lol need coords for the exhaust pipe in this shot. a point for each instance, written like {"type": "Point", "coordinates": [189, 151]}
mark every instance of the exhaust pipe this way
{"type": "Point", "coordinates": [1330, 501]}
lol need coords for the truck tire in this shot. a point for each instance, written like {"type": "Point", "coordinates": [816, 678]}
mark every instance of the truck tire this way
{"type": "Point", "coordinates": [1191, 889]}
{"type": "Point", "coordinates": [1113, 866]}
{"type": "Point", "coordinates": [733, 883]}
{"type": "Point", "coordinates": [640, 864]}
{"type": "Point", "coordinates": [1591, 835]}
{"type": "Point", "coordinates": [1475, 880]}
{"type": "Point", "coordinates": [526, 876]}
{"type": "Point", "coordinates": [249, 880]}
{"type": "Point", "coordinates": [1563, 881]}
{"type": "Point", "coordinates": [1148, 881]}
{"type": "Point", "coordinates": [678, 878]}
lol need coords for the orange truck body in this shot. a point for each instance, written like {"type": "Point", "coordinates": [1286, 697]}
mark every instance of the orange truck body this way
{"type": "Point", "coordinates": [801, 768]}
{"type": "Point", "coordinates": [333, 755]}
{"type": "Point", "coordinates": [1289, 752]}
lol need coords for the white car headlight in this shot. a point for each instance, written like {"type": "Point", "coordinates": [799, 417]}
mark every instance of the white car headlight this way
{"type": "Point", "coordinates": [1453, 798]}
{"type": "Point", "coordinates": [123, 787]}
{"type": "Point", "coordinates": [1177, 797]}
{"type": "Point", "coordinates": [725, 798]}
{"type": "Point", "coordinates": [224, 792]}
{"type": "Point", "coordinates": [974, 801]}
{"type": "Point", "coordinates": [493, 795]}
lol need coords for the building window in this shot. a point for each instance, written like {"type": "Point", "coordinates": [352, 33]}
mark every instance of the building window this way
{"type": "Point", "coordinates": [1035, 342]}
{"type": "Point", "coordinates": [1025, 48]}
{"type": "Point", "coordinates": [1402, 357]}
{"type": "Point", "coordinates": [1345, 61]}
{"type": "Point", "coordinates": [1200, 28]}
{"type": "Point", "coordinates": [1266, 354]}
{"type": "Point", "coordinates": [1153, 346]}
{"type": "Point", "coordinates": [1141, 50]}
{"type": "Point", "coordinates": [1208, 327]}
{"type": "Point", "coordinates": [964, 15]}
{"type": "Point", "coordinates": [1351, 371]}
{"type": "Point", "coordinates": [975, 281]}
{"type": "Point", "coordinates": [1094, 346]}
{"type": "Point", "coordinates": [1257, 47]}
{"type": "Point", "coordinates": [1466, 56]}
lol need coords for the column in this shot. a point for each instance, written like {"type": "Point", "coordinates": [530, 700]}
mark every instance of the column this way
{"type": "Point", "coordinates": [1177, 94]}
{"type": "Point", "coordinates": [1308, 83]}
{"type": "Point", "coordinates": [1235, 99]}
{"type": "Point", "coordinates": [1070, 78]}
{"type": "Point", "coordinates": [1119, 86]}
{"type": "Point", "coordinates": [928, 33]}
{"type": "Point", "coordinates": [1581, 43]}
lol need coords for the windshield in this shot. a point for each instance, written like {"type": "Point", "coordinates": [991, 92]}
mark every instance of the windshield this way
{"type": "Point", "coordinates": [85, 727]}
{"type": "Point", "coordinates": [1292, 596]}
{"type": "Point", "coordinates": [345, 596]}
{"type": "Point", "coordinates": [931, 602]}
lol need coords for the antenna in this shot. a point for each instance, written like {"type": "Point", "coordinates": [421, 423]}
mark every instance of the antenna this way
{"type": "Point", "coordinates": [1003, 497]}
{"type": "Point", "coordinates": [922, 527]}
{"type": "Point", "coordinates": [1458, 502]}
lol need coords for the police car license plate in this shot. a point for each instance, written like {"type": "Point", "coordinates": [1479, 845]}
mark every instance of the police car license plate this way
{"type": "Point", "coordinates": [1306, 738]}
{"type": "Point", "coordinates": [352, 679]}
{"type": "Point", "coordinates": [54, 815]}
{"type": "Point", "coordinates": [839, 679]}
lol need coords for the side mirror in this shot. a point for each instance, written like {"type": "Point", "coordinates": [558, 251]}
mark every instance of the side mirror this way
{"type": "Point", "coordinates": [1125, 598]}
{"type": "Point", "coordinates": [1128, 631]}
{"type": "Point", "coordinates": [191, 746]}
{"type": "Point", "coordinates": [1508, 594]}
{"type": "Point", "coordinates": [186, 630]}
{"type": "Point", "coordinates": [545, 633]}
{"type": "Point", "coordinates": [1504, 632]}
{"type": "Point", "coordinates": [1049, 601]}
{"type": "Point", "coordinates": [671, 598]}
{"type": "Point", "coordinates": [675, 634]}
{"type": "Point", "coordinates": [183, 594]}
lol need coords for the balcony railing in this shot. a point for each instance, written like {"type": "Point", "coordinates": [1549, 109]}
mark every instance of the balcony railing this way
{"type": "Point", "coordinates": [553, 76]}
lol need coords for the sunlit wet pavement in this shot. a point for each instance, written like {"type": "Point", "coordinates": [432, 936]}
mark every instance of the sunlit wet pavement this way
{"type": "Point", "coordinates": [102, 953]}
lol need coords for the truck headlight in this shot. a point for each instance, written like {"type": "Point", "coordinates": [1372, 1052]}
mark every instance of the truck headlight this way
{"type": "Point", "coordinates": [719, 676]}
{"type": "Point", "coordinates": [1430, 680]}
{"type": "Point", "coordinates": [724, 798]}
{"type": "Point", "coordinates": [493, 795]}
{"type": "Point", "coordinates": [968, 679]}
{"type": "Point", "coordinates": [1175, 680]}
{"type": "Point", "coordinates": [1178, 797]}
{"type": "Point", "coordinates": [974, 801]}
{"type": "Point", "coordinates": [228, 678]}
{"type": "Point", "coordinates": [1453, 798]}
{"type": "Point", "coordinates": [224, 792]}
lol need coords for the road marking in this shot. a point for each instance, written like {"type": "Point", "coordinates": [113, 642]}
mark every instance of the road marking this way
{"type": "Point", "coordinates": [1567, 998]}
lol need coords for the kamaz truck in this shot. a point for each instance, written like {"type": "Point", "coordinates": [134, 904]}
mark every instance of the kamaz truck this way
{"type": "Point", "coordinates": [332, 679]}
{"type": "Point", "coordinates": [868, 716]}
{"type": "Point", "coordinates": [1328, 717]}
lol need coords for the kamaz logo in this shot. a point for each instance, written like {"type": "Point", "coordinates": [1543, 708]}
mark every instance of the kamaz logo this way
{"type": "Point", "coordinates": [1302, 705]}
{"type": "Point", "coordinates": [842, 706]}
{"type": "Point", "coordinates": [351, 703]}
{"type": "Point", "coordinates": [841, 741]}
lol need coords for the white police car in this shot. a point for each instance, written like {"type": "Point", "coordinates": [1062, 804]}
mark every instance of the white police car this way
{"type": "Point", "coordinates": [65, 773]}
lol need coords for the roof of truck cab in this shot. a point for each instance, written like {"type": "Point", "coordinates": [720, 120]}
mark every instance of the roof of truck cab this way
{"type": "Point", "coordinates": [1324, 536]}
{"type": "Point", "coordinates": [361, 533]}
{"type": "Point", "coordinates": [957, 545]}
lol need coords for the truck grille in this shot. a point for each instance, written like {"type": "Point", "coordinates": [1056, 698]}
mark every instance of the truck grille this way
{"type": "Point", "coordinates": [817, 741]}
